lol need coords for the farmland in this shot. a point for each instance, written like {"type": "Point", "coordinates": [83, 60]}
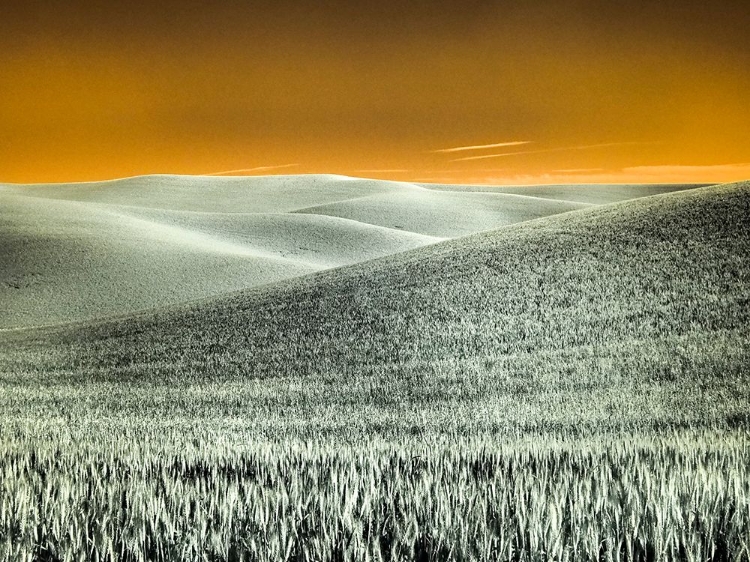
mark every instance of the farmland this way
{"type": "Point", "coordinates": [668, 498]}
{"type": "Point", "coordinates": [571, 387]}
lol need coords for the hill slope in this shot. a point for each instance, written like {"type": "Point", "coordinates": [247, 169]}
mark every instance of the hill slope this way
{"type": "Point", "coordinates": [633, 315]}
{"type": "Point", "coordinates": [65, 261]}
{"type": "Point", "coordinates": [444, 214]}
{"type": "Point", "coordinates": [261, 194]}
{"type": "Point", "coordinates": [80, 251]}
{"type": "Point", "coordinates": [592, 194]}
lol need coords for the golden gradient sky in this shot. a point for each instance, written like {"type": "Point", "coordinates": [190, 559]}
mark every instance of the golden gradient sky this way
{"type": "Point", "coordinates": [595, 90]}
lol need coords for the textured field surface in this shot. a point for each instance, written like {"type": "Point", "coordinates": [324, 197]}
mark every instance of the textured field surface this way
{"type": "Point", "coordinates": [633, 315]}
{"type": "Point", "coordinates": [79, 251]}
{"type": "Point", "coordinates": [569, 388]}
{"type": "Point", "coordinates": [163, 498]}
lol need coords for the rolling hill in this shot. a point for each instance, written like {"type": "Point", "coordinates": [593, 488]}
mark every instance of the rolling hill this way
{"type": "Point", "coordinates": [627, 316]}
{"type": "Point", "coordinates": [591, 194]}
{"type": "Point", "coordinates": [570, 387]}
{"type": "Point", "coordinates": [80, 251]}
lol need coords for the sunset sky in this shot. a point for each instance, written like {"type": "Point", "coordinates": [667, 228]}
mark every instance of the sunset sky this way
{"type": "Point", "coordinates": [442, 91]}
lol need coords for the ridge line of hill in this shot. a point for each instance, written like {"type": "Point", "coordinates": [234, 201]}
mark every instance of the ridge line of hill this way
{"type": "Point", "coordinates": [262, 288]}
{"type": "Point", "coordinates": [406, 257]}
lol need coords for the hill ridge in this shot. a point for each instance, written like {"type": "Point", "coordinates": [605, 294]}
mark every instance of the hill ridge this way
{"type": "Point", "coordinates": [437, 249]}
{"type": "Point", "coordinates": [311, 276]}
{"type": "Point", "coordinates": [235, 233]}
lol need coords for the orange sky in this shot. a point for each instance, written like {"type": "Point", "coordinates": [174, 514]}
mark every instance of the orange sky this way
{"type": "Point", "coordinates": [579, 90]}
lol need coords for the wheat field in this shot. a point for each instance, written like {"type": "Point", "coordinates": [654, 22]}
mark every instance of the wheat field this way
{"type": "Point", "coordinates": [571, 388]}
{"type": "Point", "coordinates": [674, 497]}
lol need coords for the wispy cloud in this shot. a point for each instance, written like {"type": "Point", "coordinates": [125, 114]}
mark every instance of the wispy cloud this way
{"type": "Point", "coordinates": [696, 173]}
{"type": "Point", "coordinates": [560, 149]}
{"type": "Point", "coordinates": [578, 170]}
{"type": "Point", "coordinates": [481, 146]}
{"type": "Point", "coordinates": [717, 173]}
{"type": "Point", "coordinates": [246, 170]}
{"type": "Point", "coordinates": [383, 171]}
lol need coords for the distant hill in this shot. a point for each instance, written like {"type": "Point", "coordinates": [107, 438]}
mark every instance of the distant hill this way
{"type": "Point", "coordinates": [592, 194]}
{"type": "Point", "coordinates": [86, 250]}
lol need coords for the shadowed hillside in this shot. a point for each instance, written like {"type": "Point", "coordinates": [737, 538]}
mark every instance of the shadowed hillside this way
{"type": "Point", "coordinates": [630, 315]}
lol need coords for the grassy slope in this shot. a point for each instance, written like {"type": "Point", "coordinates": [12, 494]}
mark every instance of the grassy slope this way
{"type": "Point", "coordinates": [593, 194]}
{"type": "Point", "coordinates": [80, 251]}
{"type": "Point", "coordinates": [66, 260]}
{"type": "Point", "coordinates": [633, 315]}
{"type": "Point", "coordinates": [443, 214]}
{"type": "Point", "coordinates": [318, 240]}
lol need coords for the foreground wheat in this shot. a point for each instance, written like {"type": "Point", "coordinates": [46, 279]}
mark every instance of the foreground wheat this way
{"type": "Point", "coordinates": [686, 497]}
